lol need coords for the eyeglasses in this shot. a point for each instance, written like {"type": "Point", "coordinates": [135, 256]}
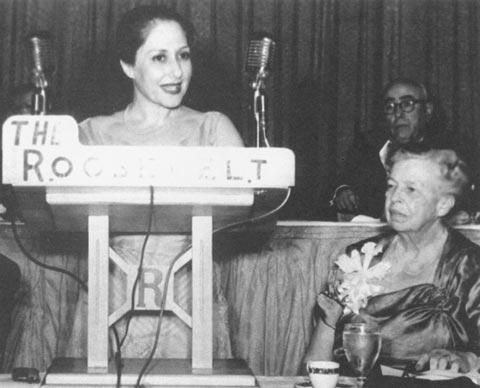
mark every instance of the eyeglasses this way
{"type": "Point", "coordinates": [406, 105]}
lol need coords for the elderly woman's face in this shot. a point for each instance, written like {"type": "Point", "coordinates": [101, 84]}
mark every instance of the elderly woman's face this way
{"type": "Point", "coordinates": [414, 195]}
{"type": "Point", "coordinates": [162, 68]}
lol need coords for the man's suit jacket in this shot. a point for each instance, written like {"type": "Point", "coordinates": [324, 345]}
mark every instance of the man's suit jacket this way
{"type": "Point", "coordinates": [364, 173]}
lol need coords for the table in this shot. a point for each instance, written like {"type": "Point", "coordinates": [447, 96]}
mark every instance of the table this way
{"type": "Point", "coordinates": [263, 381]}
{"type": "Point", "coordinates": [269, 280]}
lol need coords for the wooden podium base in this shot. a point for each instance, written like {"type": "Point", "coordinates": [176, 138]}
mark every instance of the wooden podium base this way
{"type": "Point", "coordinates": [164, 373]}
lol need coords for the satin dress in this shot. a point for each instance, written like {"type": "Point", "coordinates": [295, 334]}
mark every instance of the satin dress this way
{"type": "Point", "coordinates": [442, 314]}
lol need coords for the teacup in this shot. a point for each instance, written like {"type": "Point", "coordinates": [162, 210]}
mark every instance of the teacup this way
{"type": "Point", "coordinates": [323, 374]}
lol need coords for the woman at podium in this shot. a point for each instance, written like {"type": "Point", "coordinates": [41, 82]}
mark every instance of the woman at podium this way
{"type": "Point", "coordinates": [153, 46]}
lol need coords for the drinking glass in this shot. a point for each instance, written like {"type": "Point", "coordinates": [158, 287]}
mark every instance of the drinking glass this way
{"type": "Point", "coordinates": [362, 343]}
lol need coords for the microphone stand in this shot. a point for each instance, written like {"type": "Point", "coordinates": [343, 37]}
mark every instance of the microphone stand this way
{"type": "Point", "coordinates": [259, 109]}
{"type": "Point", "coordinates": [39, 98]}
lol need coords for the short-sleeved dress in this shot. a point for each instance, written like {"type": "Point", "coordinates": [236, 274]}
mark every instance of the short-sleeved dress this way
{"type": "Point", "coordinates": [191, 129]}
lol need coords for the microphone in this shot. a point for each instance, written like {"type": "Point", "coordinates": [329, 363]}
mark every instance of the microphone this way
{"type": "Point", "coordinates": [42, 58]}
{"type": "Point", "coordinates": [259, 63]}
{"type": "Point", "coordinates": [259, 59]}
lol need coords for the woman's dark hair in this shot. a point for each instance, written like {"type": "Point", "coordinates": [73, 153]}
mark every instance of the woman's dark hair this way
{"type": "Point", "coordinates": [135, 24]}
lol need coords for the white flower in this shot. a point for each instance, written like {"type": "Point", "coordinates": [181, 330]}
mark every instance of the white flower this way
{"type": "Point", "coordinates": [359, 280]}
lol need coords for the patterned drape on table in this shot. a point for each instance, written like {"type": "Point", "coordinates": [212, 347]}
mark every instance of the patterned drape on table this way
{"type": "Point", "coordinates": [332, 58]}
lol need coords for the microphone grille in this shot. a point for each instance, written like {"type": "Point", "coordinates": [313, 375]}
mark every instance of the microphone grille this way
{"type": "Point", "coordinates": [260, 54]}
{"type": "Point", "coordinates": [41, 52]}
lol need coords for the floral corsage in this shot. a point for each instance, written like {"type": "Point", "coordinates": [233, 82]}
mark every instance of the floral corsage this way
{"type": "Point", "coordinates": [359, 280]}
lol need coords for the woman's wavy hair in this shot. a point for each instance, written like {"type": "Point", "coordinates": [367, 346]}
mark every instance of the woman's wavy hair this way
{"type": "Point", "coordinates": [134, 26]}
{"type": "Point", "coordinates": [454, 171]}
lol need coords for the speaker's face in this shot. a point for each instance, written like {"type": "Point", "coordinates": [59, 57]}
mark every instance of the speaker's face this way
{"type": "Point", "coordinates": [163, 68]}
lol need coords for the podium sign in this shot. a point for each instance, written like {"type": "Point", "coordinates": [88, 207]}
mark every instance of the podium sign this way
{"type": "Point", "coordinates": [45, 151]}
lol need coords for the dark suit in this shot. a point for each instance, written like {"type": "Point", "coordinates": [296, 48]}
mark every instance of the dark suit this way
{"type": "Point", "coordinates": [364, 173]}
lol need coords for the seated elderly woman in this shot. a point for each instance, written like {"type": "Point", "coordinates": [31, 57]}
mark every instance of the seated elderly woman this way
{"type": "Point", "coordinates": [427, 304]}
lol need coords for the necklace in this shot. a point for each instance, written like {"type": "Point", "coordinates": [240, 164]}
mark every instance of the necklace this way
{"type": "Point", "coordinates": [163, 119]}
{"type": "Point", "coordinates": [137, 129]}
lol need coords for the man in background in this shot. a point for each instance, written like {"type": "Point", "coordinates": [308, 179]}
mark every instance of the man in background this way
{"type": "Point", "coordinates": [407, 111]}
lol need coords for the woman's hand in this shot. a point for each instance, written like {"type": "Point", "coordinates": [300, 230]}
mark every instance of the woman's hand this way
{"type": "Point", "coordinates": [456, 361]}
{"type": "Point", "coordinates": [330, 309]}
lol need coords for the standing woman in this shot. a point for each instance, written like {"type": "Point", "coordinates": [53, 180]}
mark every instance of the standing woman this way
{"type": "Point", "coordinates": [154, 48]}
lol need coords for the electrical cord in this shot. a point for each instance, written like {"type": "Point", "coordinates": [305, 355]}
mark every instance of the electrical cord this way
{"type": "Point", "coordinates": [118, 357]}
{"type": "Point", "coordinates": [39, 263]}
{"type": "Point", "coordinates": [119, 343]}
{"type": "Point", "coordinates": [160, 316]}
{"type": "Point", "coordinates": [11, 204]}
{"type": "Point", "coordinates": [83, 285]}
{"type": "Point", "coordinates": [178, 256]}
{"type": "Point", "coordinates": [140, 265]}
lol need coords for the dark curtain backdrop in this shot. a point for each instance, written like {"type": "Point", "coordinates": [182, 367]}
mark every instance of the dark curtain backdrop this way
{"type": "Point", "coordinates": [332, 58]}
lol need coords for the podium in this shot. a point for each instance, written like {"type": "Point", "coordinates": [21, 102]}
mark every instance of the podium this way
{"type": "Point", "coordinates": [63, 185]}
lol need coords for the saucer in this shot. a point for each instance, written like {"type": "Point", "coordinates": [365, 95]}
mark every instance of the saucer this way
{"type": "Point", "coordinates": [343, 382]}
